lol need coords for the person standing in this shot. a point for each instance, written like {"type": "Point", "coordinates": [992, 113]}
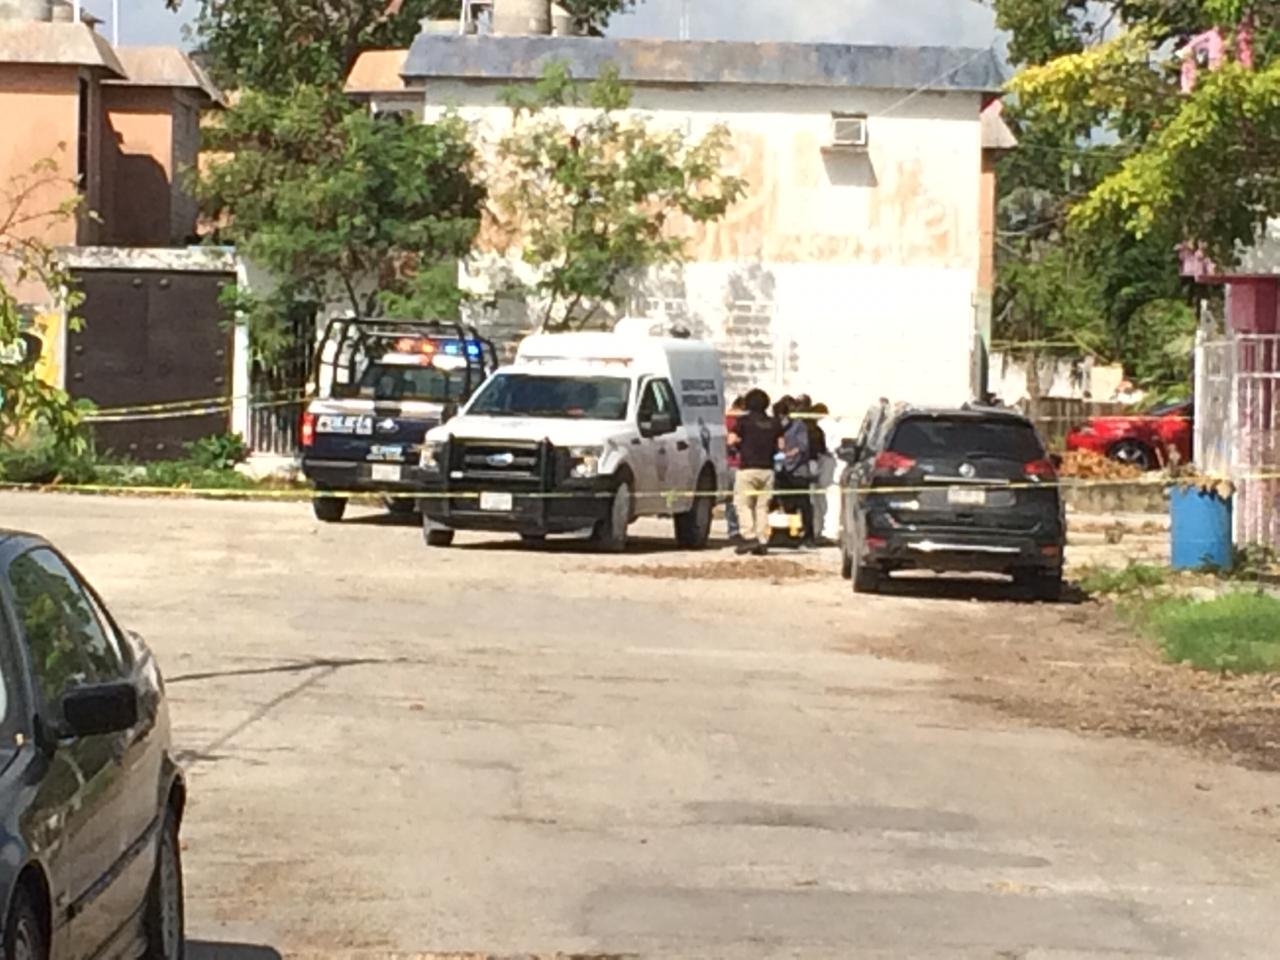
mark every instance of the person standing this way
{"type": "Point", "coordinates": [824, 469]}
{"type": "Point", "coordinates": [757, 435]}
{"type": "Point", "coordinates": [734, 462]}
{"type": "Point", "coordinates": [795, 472]}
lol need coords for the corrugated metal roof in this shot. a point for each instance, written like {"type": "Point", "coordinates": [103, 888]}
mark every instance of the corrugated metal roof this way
{"type": "Point", "coordinates": [56, 44]}
{"type": "Point", "coordinates": [377, 71]}
{"type": "Point", "coordinates": [165, 67]}
{"type": "Point", "coordinates": [440, 56]}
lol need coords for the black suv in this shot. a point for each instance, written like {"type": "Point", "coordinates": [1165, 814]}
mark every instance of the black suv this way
{"type": "Point", "coordinates": [966, 489]}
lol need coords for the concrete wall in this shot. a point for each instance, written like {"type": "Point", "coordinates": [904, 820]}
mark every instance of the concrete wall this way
{"type": "Point", "coordinates": [43, 104]}
{"type": "Point", "coordinates": [846, 276]}
{"type": "Point", "coordinates": [138, 130]}
{"type": "Point", "coordinates": [185, 157]}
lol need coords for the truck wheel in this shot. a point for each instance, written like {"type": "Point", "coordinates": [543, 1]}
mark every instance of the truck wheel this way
{"type": "Point", "coordinates": [610, 534]}
{"type": "Point", "coordinates": [435, 535]}
{"type": "Point", "coordinates": [1045, 585]}
{"type": "Point", "coordinates": [329, 509]}
{"type": "Point", "coordinates": [693, 527]}
{"type": "Point", "coordinates": [23, 932]}
{"type": "Point", "coordinates": [401, 506]}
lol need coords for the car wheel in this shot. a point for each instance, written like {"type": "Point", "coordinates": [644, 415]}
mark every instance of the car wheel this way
{"type": "Point", "coordinates": [866, 577]}
{"type": "Point", "coordinates": [1134, 453]}
{"type": "Point", "coordinates": [329, 509]}
{"type": "Point", "coordinates": [1043, 585]}
{"type": "Point", "coordinates": [610, 533]}
{"type": "Point", "coordinates": [164, 921]}
{"type": "Point", "coordinates": [23, 932]}
{"type": "Point", "coordinates": [693, 527]}
{"type": "Point", "coordinates": [401, 506]}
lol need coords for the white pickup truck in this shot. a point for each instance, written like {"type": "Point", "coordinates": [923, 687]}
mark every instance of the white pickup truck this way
{"type": "Point", "coordinates": [583, 433]}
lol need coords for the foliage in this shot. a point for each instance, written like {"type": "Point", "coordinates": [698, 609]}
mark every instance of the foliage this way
{"type": "Point", "coordinates": [603, 196]}
{"type": "Point", "coordinates": [1199, 167]}
{"type": "Point", "coordinates": [37, 457]}
{"type": "Point", "coordinates": [1124, 581]}
{"type": "Point", "coordinates": [318, 192]}
{"type": "Point", "coordinates": [270, 46]}
{"type": "Point", "coordinates": [1237, 632]}
{"type": "Point", "coordinates": [28, 260]}
{"type": "Point", "coordinates": [219, 452]}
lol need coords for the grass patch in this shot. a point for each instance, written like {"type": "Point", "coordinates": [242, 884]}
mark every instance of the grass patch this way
{"type": "Point", "coordinates": [1123, 581]}
{"type": "Point", "coordinates": [1237, 632]}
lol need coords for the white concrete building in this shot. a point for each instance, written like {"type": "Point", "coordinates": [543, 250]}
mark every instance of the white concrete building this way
{"type": "Point", "coordinates": [851, 270]}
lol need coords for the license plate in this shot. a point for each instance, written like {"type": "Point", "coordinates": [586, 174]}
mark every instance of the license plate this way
{"type": "Point", "coordinates": [386, 453]}
{"type": "Point", "coordinates": [345, 424]}
{"type": "Point", "coordinates": [495, 501]}
{"type": "Point", "coordinates": [967, 497]}
{"type": "Point", "coordinates": [386, 471]}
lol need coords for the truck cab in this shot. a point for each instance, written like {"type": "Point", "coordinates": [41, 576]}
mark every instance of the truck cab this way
{"type": "Point", "coordinates": [583, 433]}
{"type": "Point", "coordinates": [380, 386]}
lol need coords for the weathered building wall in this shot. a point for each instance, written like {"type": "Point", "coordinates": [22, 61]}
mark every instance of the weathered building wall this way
{"type": "Point", "coordinates": [138, 131]}
{"type": "Point", "coordinates": [848, 276]}
{"type": "Point", "coordinates": [43, 103]}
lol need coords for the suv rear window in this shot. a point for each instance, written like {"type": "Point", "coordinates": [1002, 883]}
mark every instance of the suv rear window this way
{"type": "Point", "coordinates": [924, 438]}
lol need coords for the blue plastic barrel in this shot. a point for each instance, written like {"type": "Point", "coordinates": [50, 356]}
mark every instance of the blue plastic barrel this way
{"type": "Point", "coordinates": [1200, 528]}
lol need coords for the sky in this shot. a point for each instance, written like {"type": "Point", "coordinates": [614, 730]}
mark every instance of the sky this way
{"type": "Point", "coordinates": [964, 23]}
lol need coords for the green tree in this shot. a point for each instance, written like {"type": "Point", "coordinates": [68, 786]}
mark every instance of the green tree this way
{"type": "Point", "coordinates": [333, 201]}
{"type": "Point", "coordinates": [1200, 166]}
{"type": "Point", "coordinates": [273, 46]}
{"type": "Point", "coordinates": [28, 405]}
{"type": "Point", "coordinates": [1093, 292]}
{"type": "Point", "coordinates": [600, 199]}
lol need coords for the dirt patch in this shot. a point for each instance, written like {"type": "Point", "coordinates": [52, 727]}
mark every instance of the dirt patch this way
{"type": "Point", "coordinates": [753, 568]}
{"type": "Point", "coordinates": [1083, 668]}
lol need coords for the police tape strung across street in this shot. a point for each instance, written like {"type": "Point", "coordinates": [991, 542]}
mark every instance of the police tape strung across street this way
{"type": "Point", "coordinates": [305, 494]}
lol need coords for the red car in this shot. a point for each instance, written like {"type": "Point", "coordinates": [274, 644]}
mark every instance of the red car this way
{"type": "Point", "coordinates": [1141, 439]}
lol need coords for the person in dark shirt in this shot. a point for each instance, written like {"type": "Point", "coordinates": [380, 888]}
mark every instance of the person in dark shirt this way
{"type": "Point", "coordinates": [757, 441]}
{"type": "Point", "coordinates": [795, 472]}
{"type": "Point", "coordinates": [734, 462]}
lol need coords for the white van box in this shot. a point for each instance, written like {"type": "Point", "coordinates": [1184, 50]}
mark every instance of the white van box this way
{"type": "Point", "coordinates": [679, 470]}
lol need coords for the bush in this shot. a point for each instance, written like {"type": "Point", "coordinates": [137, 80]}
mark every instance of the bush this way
{"type": "Point", "coordinates": [218, 452]}
{"type": "Point", "coordinates": [37, 457]}
{"type": "Point", "coordinates": [1239, 632]}
{"type": "Point", "coordinates": [1135, 578]}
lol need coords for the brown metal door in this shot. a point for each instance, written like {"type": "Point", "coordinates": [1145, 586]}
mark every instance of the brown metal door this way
{"type": "Point", "coordinates": [151, 337]}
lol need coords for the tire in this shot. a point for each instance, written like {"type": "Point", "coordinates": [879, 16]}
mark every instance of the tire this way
{"type": "Point", "coordinates": [437, 536]}
{"type": "Point", "coordinates": [610, 534]}
{"type": "Point", "coordinates": [693, 527]}
{"type": "Point", "coordinates": [866, 577]}
{"type": "Point", "coordinates": [329, 509]}
{"type": "Point", "coordinates": [165, 918]}
{"type": "Point", "coordinates": [1045, 586]}
{"type": "Point", "coordinates": [23, 931]}
{"type": "Point", "coordinates": [401, 506]}
{"type": "Point", "coordinates": [533, 538]}
{"type": "Point", "coordinates": [1134, 453]}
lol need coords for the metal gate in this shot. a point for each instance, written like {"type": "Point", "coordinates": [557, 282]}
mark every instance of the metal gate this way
{"type": "Point", "coordinates": [153, 343]}
{"type": "Point", "coordinates": [276, 389]}
{"type": "Point", "coordinates": [1238, 427]}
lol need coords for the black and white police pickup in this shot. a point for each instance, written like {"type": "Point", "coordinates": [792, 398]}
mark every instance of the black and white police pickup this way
{"type": "Point", "coordinates": [383, 385]}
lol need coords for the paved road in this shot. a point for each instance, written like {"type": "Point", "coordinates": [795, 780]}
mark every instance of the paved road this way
{"type": "Point", "coordinates": [505, 751]}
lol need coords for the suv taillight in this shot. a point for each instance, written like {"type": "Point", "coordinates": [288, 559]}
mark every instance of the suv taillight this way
{"type": "Point", "coordinates": [1040, 470]}
{"type": "Point", "coordinates": [892, 464]}
{"type": "Point", "coordinates": [307, 429]}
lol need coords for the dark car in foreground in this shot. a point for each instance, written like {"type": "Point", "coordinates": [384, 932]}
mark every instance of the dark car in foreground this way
{"type": "Point", "coordinates": [969, 489]}
{"type": "Point", "coordinates": [91, 799]}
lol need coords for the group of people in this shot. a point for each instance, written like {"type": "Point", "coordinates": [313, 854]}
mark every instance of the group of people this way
{"type": "Point", "coordinates": [780, 460]}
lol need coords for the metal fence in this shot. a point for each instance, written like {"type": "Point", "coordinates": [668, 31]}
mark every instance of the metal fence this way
{"type": "Point", "coordinates": [276, 390]}
{"type": "Point", "coordinates": [1238, 426]}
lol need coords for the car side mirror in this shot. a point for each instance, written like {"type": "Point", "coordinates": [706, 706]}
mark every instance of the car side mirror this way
{"type": "Point", "coordinates": [850, 451]}
{"type": "Point", "coordinates": [658, 425]}
{"type": "Point", "coordinates": [100, 708]}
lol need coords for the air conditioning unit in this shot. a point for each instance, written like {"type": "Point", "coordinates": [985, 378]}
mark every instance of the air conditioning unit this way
{"type": "Point", "coordinates": [849, 133]}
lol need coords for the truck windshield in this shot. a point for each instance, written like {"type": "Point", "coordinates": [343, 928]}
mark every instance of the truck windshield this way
{"type": "Point", "coordinates": [384, 381]}
{"type": "Point", "coordinates": [569, 398]}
